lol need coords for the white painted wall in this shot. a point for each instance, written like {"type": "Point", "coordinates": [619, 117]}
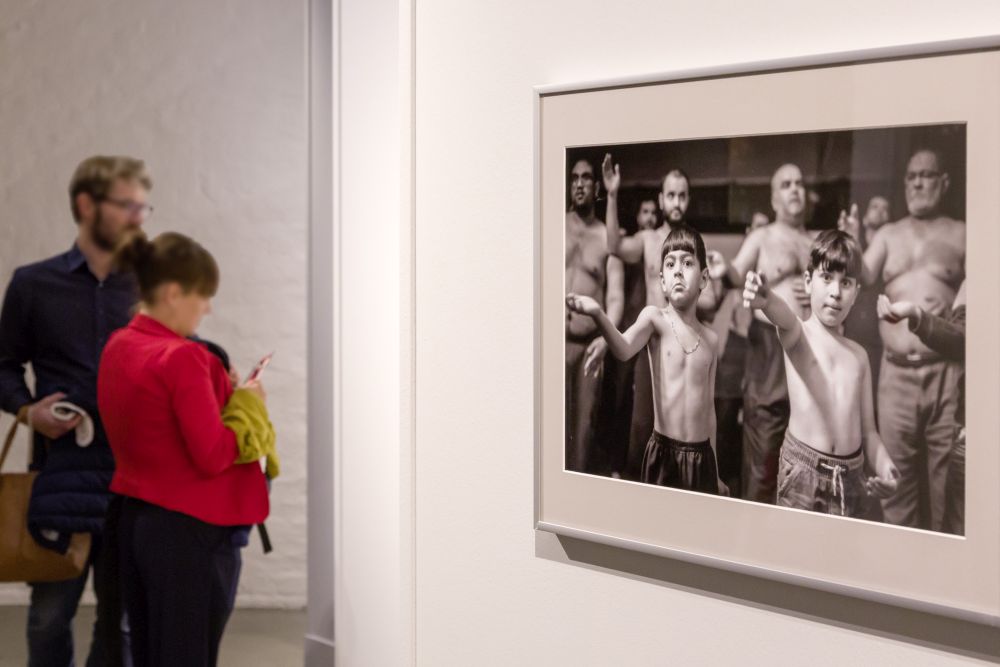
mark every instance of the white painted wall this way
{"type": "Point", "coordinates": [483, 594]}
{"type": "Point", "coordinates": [213, 96]}
{"type": "Point", "coordinates": [373, 352]}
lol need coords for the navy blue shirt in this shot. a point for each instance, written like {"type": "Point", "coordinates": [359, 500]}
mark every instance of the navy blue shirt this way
{"type": "Point", "coordinates": [58, 316]}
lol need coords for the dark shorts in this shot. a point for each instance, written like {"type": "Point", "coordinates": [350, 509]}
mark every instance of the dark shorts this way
{"type": "Point", "coordinates": [812, 480]}
{"type": "Point", "coordinates": [682, 465]}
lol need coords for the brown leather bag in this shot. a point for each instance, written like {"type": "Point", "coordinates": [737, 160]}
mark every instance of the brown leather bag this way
{"type": "Point", "coordinates": [21, 557]}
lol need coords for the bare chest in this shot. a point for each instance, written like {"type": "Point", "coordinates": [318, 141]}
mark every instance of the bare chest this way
{"type": "Point", "coordinates": [587, 249]}
{"type": "Point", "coordinates": [682, 353]}
{"type": "Point", "coordinates": [939, 255]}
{"type": "Point", "coordinates": [783, 255]}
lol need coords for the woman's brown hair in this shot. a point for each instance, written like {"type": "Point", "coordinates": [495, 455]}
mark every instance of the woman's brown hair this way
{"type": "Point", "coordinates": [169, 258]}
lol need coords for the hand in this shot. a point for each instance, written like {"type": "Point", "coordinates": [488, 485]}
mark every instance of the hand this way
{"type": "Point", "coordinates": [723, 489]}
{"type": "Point", "coordinates": [585, 305]}
{"type": "Point", "coordinates": [255, 387]}
{"type": "Point", "coordinates": [755, 291]}
{"type": "Point", "coordinates": [593, 359]}
{"type": "Point", "coordinates": [41, 419]}
{"type": "Point", "coordinates": [850, 223]}
{"type": "Point", "coordinates": [886, 483]}
{"type": "Point", "coordinates": [895, 312]}
{"type": "Point", "coordinates": [234, 376]}
{"type": "Point", "coordinates": [612, 177]}
{"type": "Point", "coordinates": [717, 267]}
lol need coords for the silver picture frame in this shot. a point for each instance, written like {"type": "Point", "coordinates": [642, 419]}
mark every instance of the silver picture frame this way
{"type": "Point", "coordinates": [632, 516]}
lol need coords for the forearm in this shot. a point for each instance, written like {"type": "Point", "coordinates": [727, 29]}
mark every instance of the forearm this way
{"type": "Point", "coordinates": [616, 308]}
{"type": "Point", "coordinates": [780, 314]}
{"type": "Point", "coordinates": [875, 452]}
{"type": "Point", "coordinates": [617, 344]}
{"type": "Point", "coordinates": [945, 335]}
{"type": "Point", "coordinates": [613, 228]}
{"type": "Point", "coordinates": [14, 392]}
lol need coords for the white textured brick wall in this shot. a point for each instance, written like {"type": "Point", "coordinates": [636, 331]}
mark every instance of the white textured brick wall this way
{"type": "Point", "coordinates": [213, 96]}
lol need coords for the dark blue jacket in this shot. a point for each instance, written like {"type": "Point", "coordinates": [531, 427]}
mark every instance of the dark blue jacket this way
{"type": "Point", "coordinates": [57, 316]}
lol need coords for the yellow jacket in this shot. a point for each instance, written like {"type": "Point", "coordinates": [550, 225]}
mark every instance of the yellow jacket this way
{"type": "Point", "coordinates": [246, 415]}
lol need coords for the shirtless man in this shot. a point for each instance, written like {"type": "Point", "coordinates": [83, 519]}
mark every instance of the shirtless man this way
{"type": "Point", "coordinates": [681, 451]}
{"type": "Point", "coordinates": [831, 436]}
{"type": "Point", "coordinates": [920, 259]}
{"type": "Point", "coordinates": [780, 253]}
{"type": "Point", "coordinates": [590, 271]}
{"type": "Point", "coordinates": [644, 246]}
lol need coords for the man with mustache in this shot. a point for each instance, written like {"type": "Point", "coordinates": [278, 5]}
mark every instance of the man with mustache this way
{"type": "Point", "coordinates": [644, 246]}
{"type": "Point", "coordinates": [57, 316]}
{"type": "Point", "coordinates": [779, 253]}
{"type": "Point", "coordinates": [921, 259]}
{"type": "Point", "coordinates": [593, 272]}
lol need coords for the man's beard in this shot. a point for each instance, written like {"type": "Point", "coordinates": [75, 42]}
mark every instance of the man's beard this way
{"type": "Point", "coordinates": [102, 237]}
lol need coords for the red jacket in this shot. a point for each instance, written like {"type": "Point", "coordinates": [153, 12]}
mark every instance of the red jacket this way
{"type": "Point", "coordinates": [160, 397]}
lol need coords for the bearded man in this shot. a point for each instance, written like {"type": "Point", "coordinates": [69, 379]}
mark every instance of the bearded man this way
{"type": "Point", "coordinates": [57, 315]}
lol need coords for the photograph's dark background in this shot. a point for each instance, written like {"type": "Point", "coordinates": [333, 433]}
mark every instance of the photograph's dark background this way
{"type": "Point", "coordinates": [730, 178]}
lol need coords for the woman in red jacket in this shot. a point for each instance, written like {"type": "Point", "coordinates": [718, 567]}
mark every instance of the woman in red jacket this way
{"type": "Point", "coordinates": [186, 501]}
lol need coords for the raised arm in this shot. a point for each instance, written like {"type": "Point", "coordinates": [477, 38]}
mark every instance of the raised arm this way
{"type": "Point", "coordinates": [622, 345]}
{"type": "Point", "coordinates": [746, 259]}
{"type": "Point", "coordinates": [627, 248]}
{"type": "Point", "coordinates": [614, 290]}
{"type": "Point", "coordinates": [756, 294]}
{"type": "Point", "coordinates": [874, 257]}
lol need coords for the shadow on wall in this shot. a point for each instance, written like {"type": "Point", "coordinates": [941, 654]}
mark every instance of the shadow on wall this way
{"type": "Point", "coordinates": [872, 618]}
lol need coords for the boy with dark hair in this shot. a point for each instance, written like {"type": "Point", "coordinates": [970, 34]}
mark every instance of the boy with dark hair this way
{"type": "Point", "coordinates": [831, 434]}
{"type": "Point", "coordinates": [682, 352]}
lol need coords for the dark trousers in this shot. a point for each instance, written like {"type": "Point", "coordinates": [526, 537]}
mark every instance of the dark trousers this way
{"type": "Point", "coordinates": [765, 412]}
{"type": "Point", "coordinates": [918, 422]}
{"type": "Point", "coordinates": [50, 616]}
{"type": "Point", "coordinates": [682, 465]}
{"type": "Point", "coordinates": [178, 579]}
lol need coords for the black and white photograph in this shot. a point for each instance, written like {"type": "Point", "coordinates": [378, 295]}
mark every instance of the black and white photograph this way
{"type": "Point", "coordinates": [775, 318]}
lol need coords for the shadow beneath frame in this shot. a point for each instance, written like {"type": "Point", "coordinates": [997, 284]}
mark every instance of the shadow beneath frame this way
{"type": "Point", "coordinates": [914, 627]}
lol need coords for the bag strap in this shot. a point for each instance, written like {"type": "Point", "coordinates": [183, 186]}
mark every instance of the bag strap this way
{"type": "Point", "coordinates": [8, 442]}
{"type": "Point", "coordinates": [22, 416]}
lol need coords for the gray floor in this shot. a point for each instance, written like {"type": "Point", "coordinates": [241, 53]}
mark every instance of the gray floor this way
{"type": "Point", "coordinates": [253, 637]}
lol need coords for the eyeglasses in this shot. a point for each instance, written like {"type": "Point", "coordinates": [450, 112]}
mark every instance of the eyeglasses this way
{"type": "Point", "coordinates": [130, 207]}
{"type": "Point", "coordinates": [924, 175]}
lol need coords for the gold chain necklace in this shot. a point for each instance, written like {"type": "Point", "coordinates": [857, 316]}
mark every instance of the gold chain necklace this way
{"type": "Point", "coordinates": [678, 339]}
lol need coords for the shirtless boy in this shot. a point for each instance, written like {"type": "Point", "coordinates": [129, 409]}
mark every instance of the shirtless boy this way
{"type": "Point", "coordinates": [831, 434]}
{"type": "Point", "coordinates": [643, 248]}
{"type": "Point", "coordinates": [682, 351]}
{"type": "Point", "coordinates": [780, 253]}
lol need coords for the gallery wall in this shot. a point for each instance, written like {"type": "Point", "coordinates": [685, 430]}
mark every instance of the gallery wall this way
{"type": "Point", "coordinates": [489, 590]}
{"type": "Point", "coordinates": [213, 97]}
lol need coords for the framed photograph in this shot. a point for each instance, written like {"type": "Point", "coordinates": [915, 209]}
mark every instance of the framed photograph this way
{"type": "Point", "coordinates": [766, 322]}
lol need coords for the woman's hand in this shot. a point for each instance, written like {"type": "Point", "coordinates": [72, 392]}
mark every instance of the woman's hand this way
{"type": "Point", "coordinates": [256, 387]}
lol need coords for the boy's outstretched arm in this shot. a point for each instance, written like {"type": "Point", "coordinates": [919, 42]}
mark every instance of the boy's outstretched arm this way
{"type": "Point", "coordinates": [622, 345]}
{"type": "Point", "coordinates": [884, 483]}
{"type": "Point", "coordinates": [756, 294]}
{"type": "Point", "coordinates": [627, 248]}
